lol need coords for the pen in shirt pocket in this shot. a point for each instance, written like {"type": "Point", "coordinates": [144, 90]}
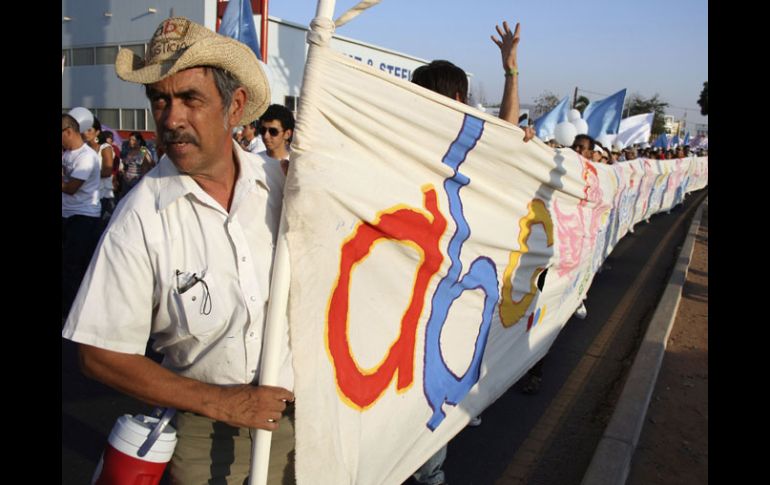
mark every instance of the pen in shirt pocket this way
{"type": "Point", "coordinates": [186, 280]}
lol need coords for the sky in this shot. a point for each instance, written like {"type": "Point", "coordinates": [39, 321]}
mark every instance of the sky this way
{"type": "Point", "coordinates": [599, 46]}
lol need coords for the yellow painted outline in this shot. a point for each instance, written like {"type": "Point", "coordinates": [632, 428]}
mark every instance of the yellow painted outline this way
{"type": "Point", "coordinates": [512, 311]}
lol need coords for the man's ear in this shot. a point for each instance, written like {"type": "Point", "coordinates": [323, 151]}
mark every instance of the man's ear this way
{"type": "Point", "coordinates": [237, 105]}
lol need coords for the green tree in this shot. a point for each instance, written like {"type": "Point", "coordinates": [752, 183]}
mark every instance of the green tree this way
{"type": "Point", "coordinates": [703, 101]}
{"type": "Point", "coordinates": [581, 103]}
{"type": "Point", "coordinates": [544, 103]}
{"type": "Point", "coordinates": [638, 104]}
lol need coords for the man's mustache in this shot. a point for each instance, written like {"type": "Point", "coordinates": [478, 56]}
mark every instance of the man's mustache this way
{"type": "Point", "coordinates": [178, 137]}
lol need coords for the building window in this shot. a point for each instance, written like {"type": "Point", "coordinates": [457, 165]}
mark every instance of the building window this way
{"type": "Point", "coordinates": [108, 117]}
{"type": "Point", "coordinates": [83, 56]}
{"type": "Point", "coordinates": [137, 49]}
{"type": "Point", "coordinates": [141, 119]}
{"type": "Point", "coordinates": [291, 102]}
{"type": "Point", "coordinates": [106, 55]}
{"type": "Point", "coordinates": [127, 119]}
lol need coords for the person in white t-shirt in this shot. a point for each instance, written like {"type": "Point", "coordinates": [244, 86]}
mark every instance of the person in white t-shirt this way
{"type": "Point", "coordinates": [98, 142]}
{"type": "Point", "coordinates": [251, 142]}
{"type": "Point", "coordinates": [80, 208]}
{"type": "Point", "coordinates": [276, 127]}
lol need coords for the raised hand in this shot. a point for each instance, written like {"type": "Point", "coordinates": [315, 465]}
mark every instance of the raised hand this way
{"type": "Point", "coordinates": [508, 44]}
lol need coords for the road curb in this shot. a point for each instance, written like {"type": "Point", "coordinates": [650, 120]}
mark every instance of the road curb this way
{"type": "Point", "coordinates": [611, 462]}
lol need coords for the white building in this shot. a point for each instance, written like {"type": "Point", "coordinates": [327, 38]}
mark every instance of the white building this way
{"type": "Point", "coordinates": [92, 32]}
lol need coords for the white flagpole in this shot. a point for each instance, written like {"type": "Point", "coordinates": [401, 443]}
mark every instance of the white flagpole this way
{"type": "Point", "coordinates": [325, 9]}
{"type": "Point", "coordinates": [276, 313]}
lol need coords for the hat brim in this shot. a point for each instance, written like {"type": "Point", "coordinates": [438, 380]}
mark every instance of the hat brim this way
{"type": "Point", "coordinates": [221, 52]}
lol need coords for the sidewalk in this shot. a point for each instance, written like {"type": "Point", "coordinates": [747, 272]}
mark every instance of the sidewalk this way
{"type": "Point", "coordinates": [673, 447]}
{"type": "Point", "coordinates": [658, 433]}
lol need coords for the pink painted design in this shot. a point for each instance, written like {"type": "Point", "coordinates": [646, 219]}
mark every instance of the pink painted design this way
{"type": "Point", "coordinates": [575, 239]}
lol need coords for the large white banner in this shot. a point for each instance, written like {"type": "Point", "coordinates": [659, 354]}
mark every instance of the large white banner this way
{"type": "Point", "coordinates": [435, 257]}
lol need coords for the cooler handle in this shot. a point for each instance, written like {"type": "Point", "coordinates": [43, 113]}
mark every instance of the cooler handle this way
{"type": "Point", "coordinates": [157, 430]}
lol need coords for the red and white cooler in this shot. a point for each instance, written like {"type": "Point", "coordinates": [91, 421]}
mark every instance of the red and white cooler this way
{"type": "Point", "coordinates": [137, 452]}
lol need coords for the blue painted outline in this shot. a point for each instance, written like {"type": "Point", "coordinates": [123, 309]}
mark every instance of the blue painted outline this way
{"type": "Point", "coordinates": [440, 384]}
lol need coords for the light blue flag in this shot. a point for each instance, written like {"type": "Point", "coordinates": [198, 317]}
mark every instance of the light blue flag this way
{"type": "Point", "coordinates": [675, 141]}
{"type": "Point", "coordinates": [686, 139]}
{"type": "Point", "coordinates": [545, 125]}
{"type": "Point", "coordinates": [238, 23]}
{"type": "Point", "coordinates": [661, 141]}
{"type": "Point", "coordinates": [603, 116]}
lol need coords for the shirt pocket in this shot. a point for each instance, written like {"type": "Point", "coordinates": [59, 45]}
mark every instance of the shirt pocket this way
{"type": "Point", "coordinates": [198, 306]}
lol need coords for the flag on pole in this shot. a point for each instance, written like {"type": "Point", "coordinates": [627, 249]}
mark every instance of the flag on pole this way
{"type": "Point", "coordinates": [686, 141]}
{"type": "Point", "coordinates": [603, 116]}
{"type": "Point", "coordinates": [661, 142]}
{"type": "Point", "coordinates": [238, 23]}
{"type": "Point", "coordinates": [545, 125]}
{"type": "Point", "coordinates": [635, 129]}
{"type": "Point", "coordinates": [674, 141]}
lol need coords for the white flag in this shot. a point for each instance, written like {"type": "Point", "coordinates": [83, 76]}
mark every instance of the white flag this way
{"type": "Point", "coordinates": [635, 129]}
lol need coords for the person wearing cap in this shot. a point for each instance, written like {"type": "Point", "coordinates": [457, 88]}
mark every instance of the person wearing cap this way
{"type": "Point", "coordinates": [614, 154]}
{"type": "Point", "coordinates": [80, 205]}
{"type": "Point", "coordinates": [190, 251]}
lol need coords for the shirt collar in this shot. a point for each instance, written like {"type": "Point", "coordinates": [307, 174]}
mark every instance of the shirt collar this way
{"type": "Point", "coordinates": [173, 184]}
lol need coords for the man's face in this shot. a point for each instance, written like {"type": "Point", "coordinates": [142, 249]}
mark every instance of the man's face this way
{"type": "Point", "coordinates": [191, 121]}
{"type": "Point", "coordinates": [582, 147]}
{"type": "Point", "coordinates": [249, 132]}
{"type": "Point", "coordinates": [68, 137]}
{"type": "Point", "coordinates": [273, 134]}
{"type": "Point", "coordinates": [65, 138]}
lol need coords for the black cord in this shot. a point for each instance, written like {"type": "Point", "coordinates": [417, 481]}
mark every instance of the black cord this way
{"type": "Point", "coordinates": [206, 297]}
{"type": "Point", "coordinates": [194, 280]}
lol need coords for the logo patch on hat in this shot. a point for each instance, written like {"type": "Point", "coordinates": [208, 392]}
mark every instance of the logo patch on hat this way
{"type": "Point", "coordinates": [169, 38]}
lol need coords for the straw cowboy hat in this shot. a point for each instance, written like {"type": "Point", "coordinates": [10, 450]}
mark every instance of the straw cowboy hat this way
{"type": "Point", "coordinates": [180, 44]}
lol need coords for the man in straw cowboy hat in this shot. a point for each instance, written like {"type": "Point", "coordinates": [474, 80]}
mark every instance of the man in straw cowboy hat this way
{"type": "Point", "coordinates": [189, 253]}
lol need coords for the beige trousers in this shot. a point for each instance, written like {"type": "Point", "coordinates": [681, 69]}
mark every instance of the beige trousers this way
{"type": "Point", "coordinates": [213, 453]}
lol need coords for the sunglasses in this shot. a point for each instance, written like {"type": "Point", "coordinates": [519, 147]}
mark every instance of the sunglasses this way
{"type": "Point", "coordinates": [273, 131]}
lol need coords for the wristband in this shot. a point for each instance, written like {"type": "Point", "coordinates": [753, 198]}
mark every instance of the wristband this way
{"type": "Point", "coordinates": [512, 72]}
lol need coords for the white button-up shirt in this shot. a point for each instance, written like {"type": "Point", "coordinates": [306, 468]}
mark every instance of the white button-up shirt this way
{"type": "Point", "coordinates": [176, 266]}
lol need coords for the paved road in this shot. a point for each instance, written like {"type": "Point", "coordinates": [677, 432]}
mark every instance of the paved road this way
{"type": "Point", "coordinates": [548, 438]}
